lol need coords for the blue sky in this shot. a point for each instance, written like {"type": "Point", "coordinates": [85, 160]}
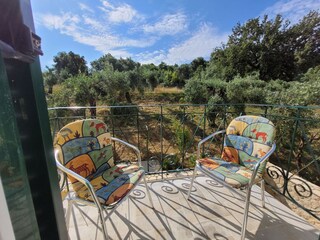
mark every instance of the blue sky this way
{"type": "Point", "coordinates": [149, 31]}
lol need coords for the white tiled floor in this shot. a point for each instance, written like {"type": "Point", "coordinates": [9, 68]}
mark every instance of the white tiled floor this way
{"type": "Point", "coordinates": [213, 212]}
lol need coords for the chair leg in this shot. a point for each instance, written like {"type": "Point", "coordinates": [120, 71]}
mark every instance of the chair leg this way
{"type": "Point", "coordinates": [148, 191]}
{"type": "Point", "coordinates": [68, 213]}
{"type": "Point", "coordinates": [262, 193]}
{"type": "Point", "coordinates": [103, 224]}
{"type": "Point", "coordinates": [192, 181]}
{"type": "Point", "coordinates": [245, 214]}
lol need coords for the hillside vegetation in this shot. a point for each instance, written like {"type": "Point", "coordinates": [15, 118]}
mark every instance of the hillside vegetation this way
{"type": "Point", "coordinates": [264, 61]}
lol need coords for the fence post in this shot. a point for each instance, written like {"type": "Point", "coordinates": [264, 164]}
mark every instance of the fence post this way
{"type": "Point", "coordinates": [138, 127]}
{"type": "Point", "coordinates": [147, 147]}
{"type": "Point", "coordinates": [266, 111]}
{"type": "Point", "coordinates": [161, 139]}
{"type": "Point", "coordinates": [285, 186]}
{"type": "Point", "coordinates": [183, 136]}
{"type": "Point", "coordinates": [114, 144]}
{"type": "Point", "coordinates": [204, 125]}
{"type": "Point", "coordinates": [224, 125]}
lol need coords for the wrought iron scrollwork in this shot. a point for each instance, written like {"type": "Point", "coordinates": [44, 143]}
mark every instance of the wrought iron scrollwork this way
{"type": "Point", "coordinates": [276, 173]}
{"type": "Point", "coordinates": [301, 187]}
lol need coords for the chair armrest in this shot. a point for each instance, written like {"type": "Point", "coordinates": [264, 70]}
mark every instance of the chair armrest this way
{"type": "Point", "coordinates": [262, 160]}
{"type": "Point", "coordinates": [130, 146]}
{"type": "Point", "coordinates": [68, 171]}
{"type": "Point", "coordinates": [81, 179]}
{"type": "Point", "coordinates": [206, 139]}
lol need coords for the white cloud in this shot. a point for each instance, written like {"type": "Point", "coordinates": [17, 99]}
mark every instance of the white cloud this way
{"type": "Point", "coordinates": [92, 32]}
{"type": "Point", "coordinates": [85, 7]}
{"type": "Point", "coordinates": [294, 10]}
{"type": "Point", "coordinates": [170, 24]}
{"type": "Point", "coordinates": [52, 21]}
{"type": "Point", "coordinates": [94, 23]}
{"type": "Point", "coordinates": [107, 4]}
{"type": "Point", "coordinates": [123, 13]}
{"type": "Point", "coordinates": [98, 31]}
{"type": "Point", "coordinates": [200, 44]}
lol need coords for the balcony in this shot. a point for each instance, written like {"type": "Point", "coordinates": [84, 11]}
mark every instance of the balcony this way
{"type": "Point", "coordinates": [213, 212]}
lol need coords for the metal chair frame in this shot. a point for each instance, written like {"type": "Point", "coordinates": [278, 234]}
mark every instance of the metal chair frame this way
{"type": "Point", "coordinates": [96, 203]}
{"type": "Point", "coordinates": [248, 187]}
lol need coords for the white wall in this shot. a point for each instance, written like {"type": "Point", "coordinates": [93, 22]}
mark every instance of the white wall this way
{"type": "Point", "coordinates": [6, 230]}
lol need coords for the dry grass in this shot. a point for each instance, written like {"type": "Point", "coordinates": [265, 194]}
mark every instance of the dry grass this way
{"type": "Point", "coordinates": [167, 90]}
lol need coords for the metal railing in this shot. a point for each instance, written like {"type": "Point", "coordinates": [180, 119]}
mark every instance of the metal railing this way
{"type": "Point", "coordinates": [167, 136]}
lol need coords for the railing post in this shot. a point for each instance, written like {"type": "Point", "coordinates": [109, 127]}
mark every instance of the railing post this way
{"type": "Point", "coordinates": [161, 139]}
{"type": "Point", "coordinates": [138, 127]}
{"type": "Point", "coordinates": [285, 186]}
{"type": "Point", "coordinates": [147, 147]}
{"type": "Point", "coordinates": [204, 125]}
{"type": "Point", "coordinates": [183, 136]}
{"type": "Point", "coordinates": [225, 116]}
{"type": "Point", "coordinates": [224, 124]}
{"type": "Point", "coordinates": [265, 111]}
{"type": "Point", "coordinates": [56, 124]}
{"type": "Point", "coordinates": [114, 144]}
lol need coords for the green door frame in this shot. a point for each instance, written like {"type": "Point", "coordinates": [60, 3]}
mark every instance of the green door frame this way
{"type": "Point", "coordinates": [24, 92]}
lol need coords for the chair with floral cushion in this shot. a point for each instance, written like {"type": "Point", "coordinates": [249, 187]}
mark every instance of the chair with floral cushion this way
{"type": "Point", "coordinates": [248, 143]}
{"type": "Point", "coordinates": [83, 151]}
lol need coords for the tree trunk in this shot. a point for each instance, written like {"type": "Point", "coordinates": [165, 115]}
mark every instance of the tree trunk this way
{"type": "Point", "coordinates": [50, 89]}
{"type": "Point", "coordinates": [128, 97]}
{"type": "Point", "coordinates": [93, 111]}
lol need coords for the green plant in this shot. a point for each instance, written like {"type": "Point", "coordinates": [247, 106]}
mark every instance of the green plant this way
{"type": "Point", "coordinates": [170, 162]}
{"type": "Point", "coordinates": [182, 136]}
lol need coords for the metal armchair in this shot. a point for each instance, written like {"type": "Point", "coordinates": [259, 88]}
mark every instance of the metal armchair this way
{"type": "Point", "coordinates": [83, 151]}
{"type": "Point", "coordinates": [248, 143]}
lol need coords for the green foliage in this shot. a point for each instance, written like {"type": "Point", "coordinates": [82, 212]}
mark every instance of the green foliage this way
{"type": "Point", "coordinates": [183, 74]}
{"type": "Point", "coordinates": [196, 91]}
{"type": "Point", "coordinates": [50, 79]}
{"type": "Point", "coordinates": [150, 77]}
{"type": "Point", "coordinates": [170, 162]}
{"type": "Point", "coordinates": [182, 136]}
{"type": "Point", "coordinates": [120, 65]}
{"type": "Point", "coordinates": [85, 90]}
{"type": "Point", "coordinates": [272, 47]}
{"type": "Point", "coordinates": [274, 91]}
{"type": "Point", "coordinates": [61, 97]}
{"type": "Point", "coordinates": [124, 113]}
{"type": "Point", "coordinates": [214, 110]}
{"type": "Point", "coordinates": [304, 92]}
{"type": "Point", "coordinates": [312, 75]}
{"type": "Point", "coordinates": [69, 65]}
{"type": "Point", "coordinates": [192, 161]}
{"type": "Point", "coordinates": [198, 64]}
{"type": "Point", "coordinates": [304, 37]}
{"type": "Point", "coordinates": [116, 85]}
{"type": "Point", "coordinates": [136, 80]}
{"type": "Point", "coordinates": [245, 90]}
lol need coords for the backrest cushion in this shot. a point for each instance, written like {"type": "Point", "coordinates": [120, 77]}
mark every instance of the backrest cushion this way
{"type": "Point", "coordinates": [85, 147]}
{"type": "Point", "coordinates": [248, 138]}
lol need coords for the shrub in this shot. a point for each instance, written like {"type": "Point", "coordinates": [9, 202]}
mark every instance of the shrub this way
{"type": "Point", "coordinates": [196, 91]}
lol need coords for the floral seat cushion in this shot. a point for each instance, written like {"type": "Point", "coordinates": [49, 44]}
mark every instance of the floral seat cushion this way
{"type": "Point", "coordinates": [236, 175]}
{"type": "Point", "coordinates": [111, 185]}
{"type": "Point", "coordinates": [84, 146]}
{"type": "Point", "coordinates": [248, 139]}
